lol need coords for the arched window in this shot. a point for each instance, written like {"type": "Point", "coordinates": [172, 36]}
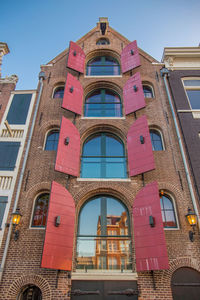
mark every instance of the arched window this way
{"type": "Point", "coordinates": [156, 140]}
{"type": "Point", "coordinates": [103, 239]}
{"type": "Point", "coordinates": [52, 140]}
{"type": "Point", "coordinates": [103, 103]}
{"type": "Point", "coordinates": [58, 92]}
{"type": "Point", "coordinates": [103, 41]}
{"type": "Point", "coordinates": [148, 91]}
{"type": "Point", "coordinates": [30, 292]}
{"type": "Point", "coordinates": [103, 156]}
{"type": "Point", "coordinates": [40, 211]}
{"type": "Point", "coordinates": [168, 213]}
{"type": "Point", "coordinates": [103, 65]}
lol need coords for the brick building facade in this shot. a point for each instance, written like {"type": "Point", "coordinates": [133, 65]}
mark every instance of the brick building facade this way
{"type": "Point", "coordinates": [116, 223]}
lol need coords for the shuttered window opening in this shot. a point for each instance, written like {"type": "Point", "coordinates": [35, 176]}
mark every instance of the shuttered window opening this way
{"type": "Point", "coordinates": [8, 155]}
{"type": "Point", "coordinates": [103, 240]}
{"type": "Point", "coordinates": [103, 103]}
{"type": "Point", "coordinates": [103, 65]}
{"type": "Point", "coordinates": [19, 107]}
{"type": "Point", "coordinates": [76, 58]}
{"type": "Point", "coordinates": [3, 203]}
{"type": "Point", "coordinates": [103, 156]}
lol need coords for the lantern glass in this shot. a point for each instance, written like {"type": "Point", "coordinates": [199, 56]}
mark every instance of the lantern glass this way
{"type": "Point", "coordinates": [16, 217]}
{"type": "Point", "coordinates": [191, 217]}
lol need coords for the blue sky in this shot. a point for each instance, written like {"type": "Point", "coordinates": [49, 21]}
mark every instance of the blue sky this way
{"type": "Point", "coordinates": [36, 31]}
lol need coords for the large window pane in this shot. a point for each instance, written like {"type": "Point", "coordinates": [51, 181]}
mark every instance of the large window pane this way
{"type": "Point", "coordinates": [3, 203]}
{"type": "Point", "coordinates": [103, 157]}
{"type": "Point", "coordinates": [103, 239]}
{"type": "Point", "coordinates": [103, 65]}
{"type": "Point", "coordinates": [168, 213]}
{"type": "Point", "coordinates": [19, 107]}
{"type": "Point", "coordinates": [194, 97]}
{"type": "Point", "coordinates": [8, 155]}
{"type": "Point", "coordinates": [103, 103]}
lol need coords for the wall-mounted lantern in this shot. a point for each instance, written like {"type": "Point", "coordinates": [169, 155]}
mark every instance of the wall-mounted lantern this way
{"type": "Point", "coordinates": [192, 220]}
{"type": "Point", "coordinates": [16, 217]}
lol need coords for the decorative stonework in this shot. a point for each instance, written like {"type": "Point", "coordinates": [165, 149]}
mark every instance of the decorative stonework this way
{"type": "Point", "coordinates": [21, 282]}
{"type": "Point", "coordinates": [12, 79]}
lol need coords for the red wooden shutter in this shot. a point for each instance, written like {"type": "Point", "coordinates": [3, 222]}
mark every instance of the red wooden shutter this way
{"type": "Point", "coordinates": [130, 57]}
{"type": "Point", "coordinates": [73, 95]}
{"type": "Point", "coordinates": [76, 58]}
{"type": "Point", "coordinates": [58, 244]}
{"type": "Point", "coordinates": [140, 154]}
{"type": "Point", "coordinates": [68, 153]}
{"type": "Point", "coordinates": [133, 94]}
{"type": "Point", "coordinates": [150, 245]}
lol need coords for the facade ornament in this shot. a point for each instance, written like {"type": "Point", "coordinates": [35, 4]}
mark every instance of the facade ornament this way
{"type": "Point", "coordinates": [9, 79]}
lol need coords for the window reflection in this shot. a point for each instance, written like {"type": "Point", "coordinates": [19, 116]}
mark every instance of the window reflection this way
{"type": "Point", "coordinates": [168, 213]}
{"type": "Point", "coordinates": [103, 239]}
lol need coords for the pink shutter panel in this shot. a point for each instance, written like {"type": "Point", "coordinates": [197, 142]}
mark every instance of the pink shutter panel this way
{"type": "Point", "coordinates": [133, 94]}
{"type": "Point", "coordinates": [68, 152]}
{"type": "Point", "coordinates": [130, 57]}
{"type": "Point", "coordinates": [58, 244]}
{"type": "Point", "coordinates": [76, 58]}
{"type": "Point", "coordinates": [150, 245]}
{"type": "Point", "coordinates": [73, 95]}
{"type": "Point", "coordinates": [140, 154]}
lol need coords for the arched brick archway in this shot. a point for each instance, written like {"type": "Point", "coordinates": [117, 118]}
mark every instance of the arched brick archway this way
{"type": "Point", "coordinates": [36, 280]}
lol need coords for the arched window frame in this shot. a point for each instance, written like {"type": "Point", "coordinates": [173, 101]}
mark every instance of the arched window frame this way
{"type": "Point", "coordinates": [103, 39]}
{"type": "Point", "coordinates": [103, 56]}
{"type": "Point", "coordinates": [161, 137]}
{"type": "Point", "coordinates": [102, 236]}
{"type": "Point", "coordinates": [59, 85]}
{"type": "Point", "coordinates": [101, 88]}
{"type": "Point", "coordinates": [124, 155]}
{"type": "Point", "coordinates": [31, 226]}
{"type": "Point", "coordinates": [46, 136]}
{"type": "Point", "coordinates": [171, 198]}
{"type": "Point", "coordinates": [150, 87]}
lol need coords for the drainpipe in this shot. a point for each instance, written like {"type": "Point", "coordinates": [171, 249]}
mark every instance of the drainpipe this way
{"type": "Point", "coordinates": [41, 78]}
{"type": "Point", "coordinates": [164, 73]}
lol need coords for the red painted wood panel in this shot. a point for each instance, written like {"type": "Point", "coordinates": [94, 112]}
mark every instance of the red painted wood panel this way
{"type": "Point", "coordinates": [76, 58]}
{"type": "Point", "coordinates": [58, 244]}
{"type": "Point", "coordinates": [73, 95]}
{"type": "Point", "coordinates": [133, 99]}
{"type": "Point", "coordinates": [130, 57]}
{"type": "Point", "coordinates": [68, 156]}
{"type": "Point", "coordinates": [150, 245]}
{"type": "Point", "coordinates": [140, 156]}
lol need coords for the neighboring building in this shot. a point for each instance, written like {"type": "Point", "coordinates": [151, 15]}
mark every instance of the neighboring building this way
{"type": "Point", "coordinates": [184, 82]}
{"type": "Point", "coordinates": [15, 113]}
{"type": "Point", "coordinates": [104, 193]}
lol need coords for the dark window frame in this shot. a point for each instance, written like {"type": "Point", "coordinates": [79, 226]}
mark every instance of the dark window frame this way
{"type": "Point", "coordinates": [148, 91]}
{"type": "Point", "coordinates": [49, 141]}
{"type": "Point", "coordinates": [104, 65]}
{"type": "Point", "coordinates": [103, 104]}
{"type": "Point", "coordinates": [103, 156]}
{"type": "Point", "coordinates": [164, 196]}
{"type": "Point", "coordinates": [156, 138]}
{"type": "Point", "coordinates": [44, 195]}
{"type": "Point", "coordinates": [58, 94]}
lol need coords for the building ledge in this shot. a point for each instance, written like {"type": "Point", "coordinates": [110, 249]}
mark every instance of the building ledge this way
{"type": "Point", "coordinates": [108, 275]}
